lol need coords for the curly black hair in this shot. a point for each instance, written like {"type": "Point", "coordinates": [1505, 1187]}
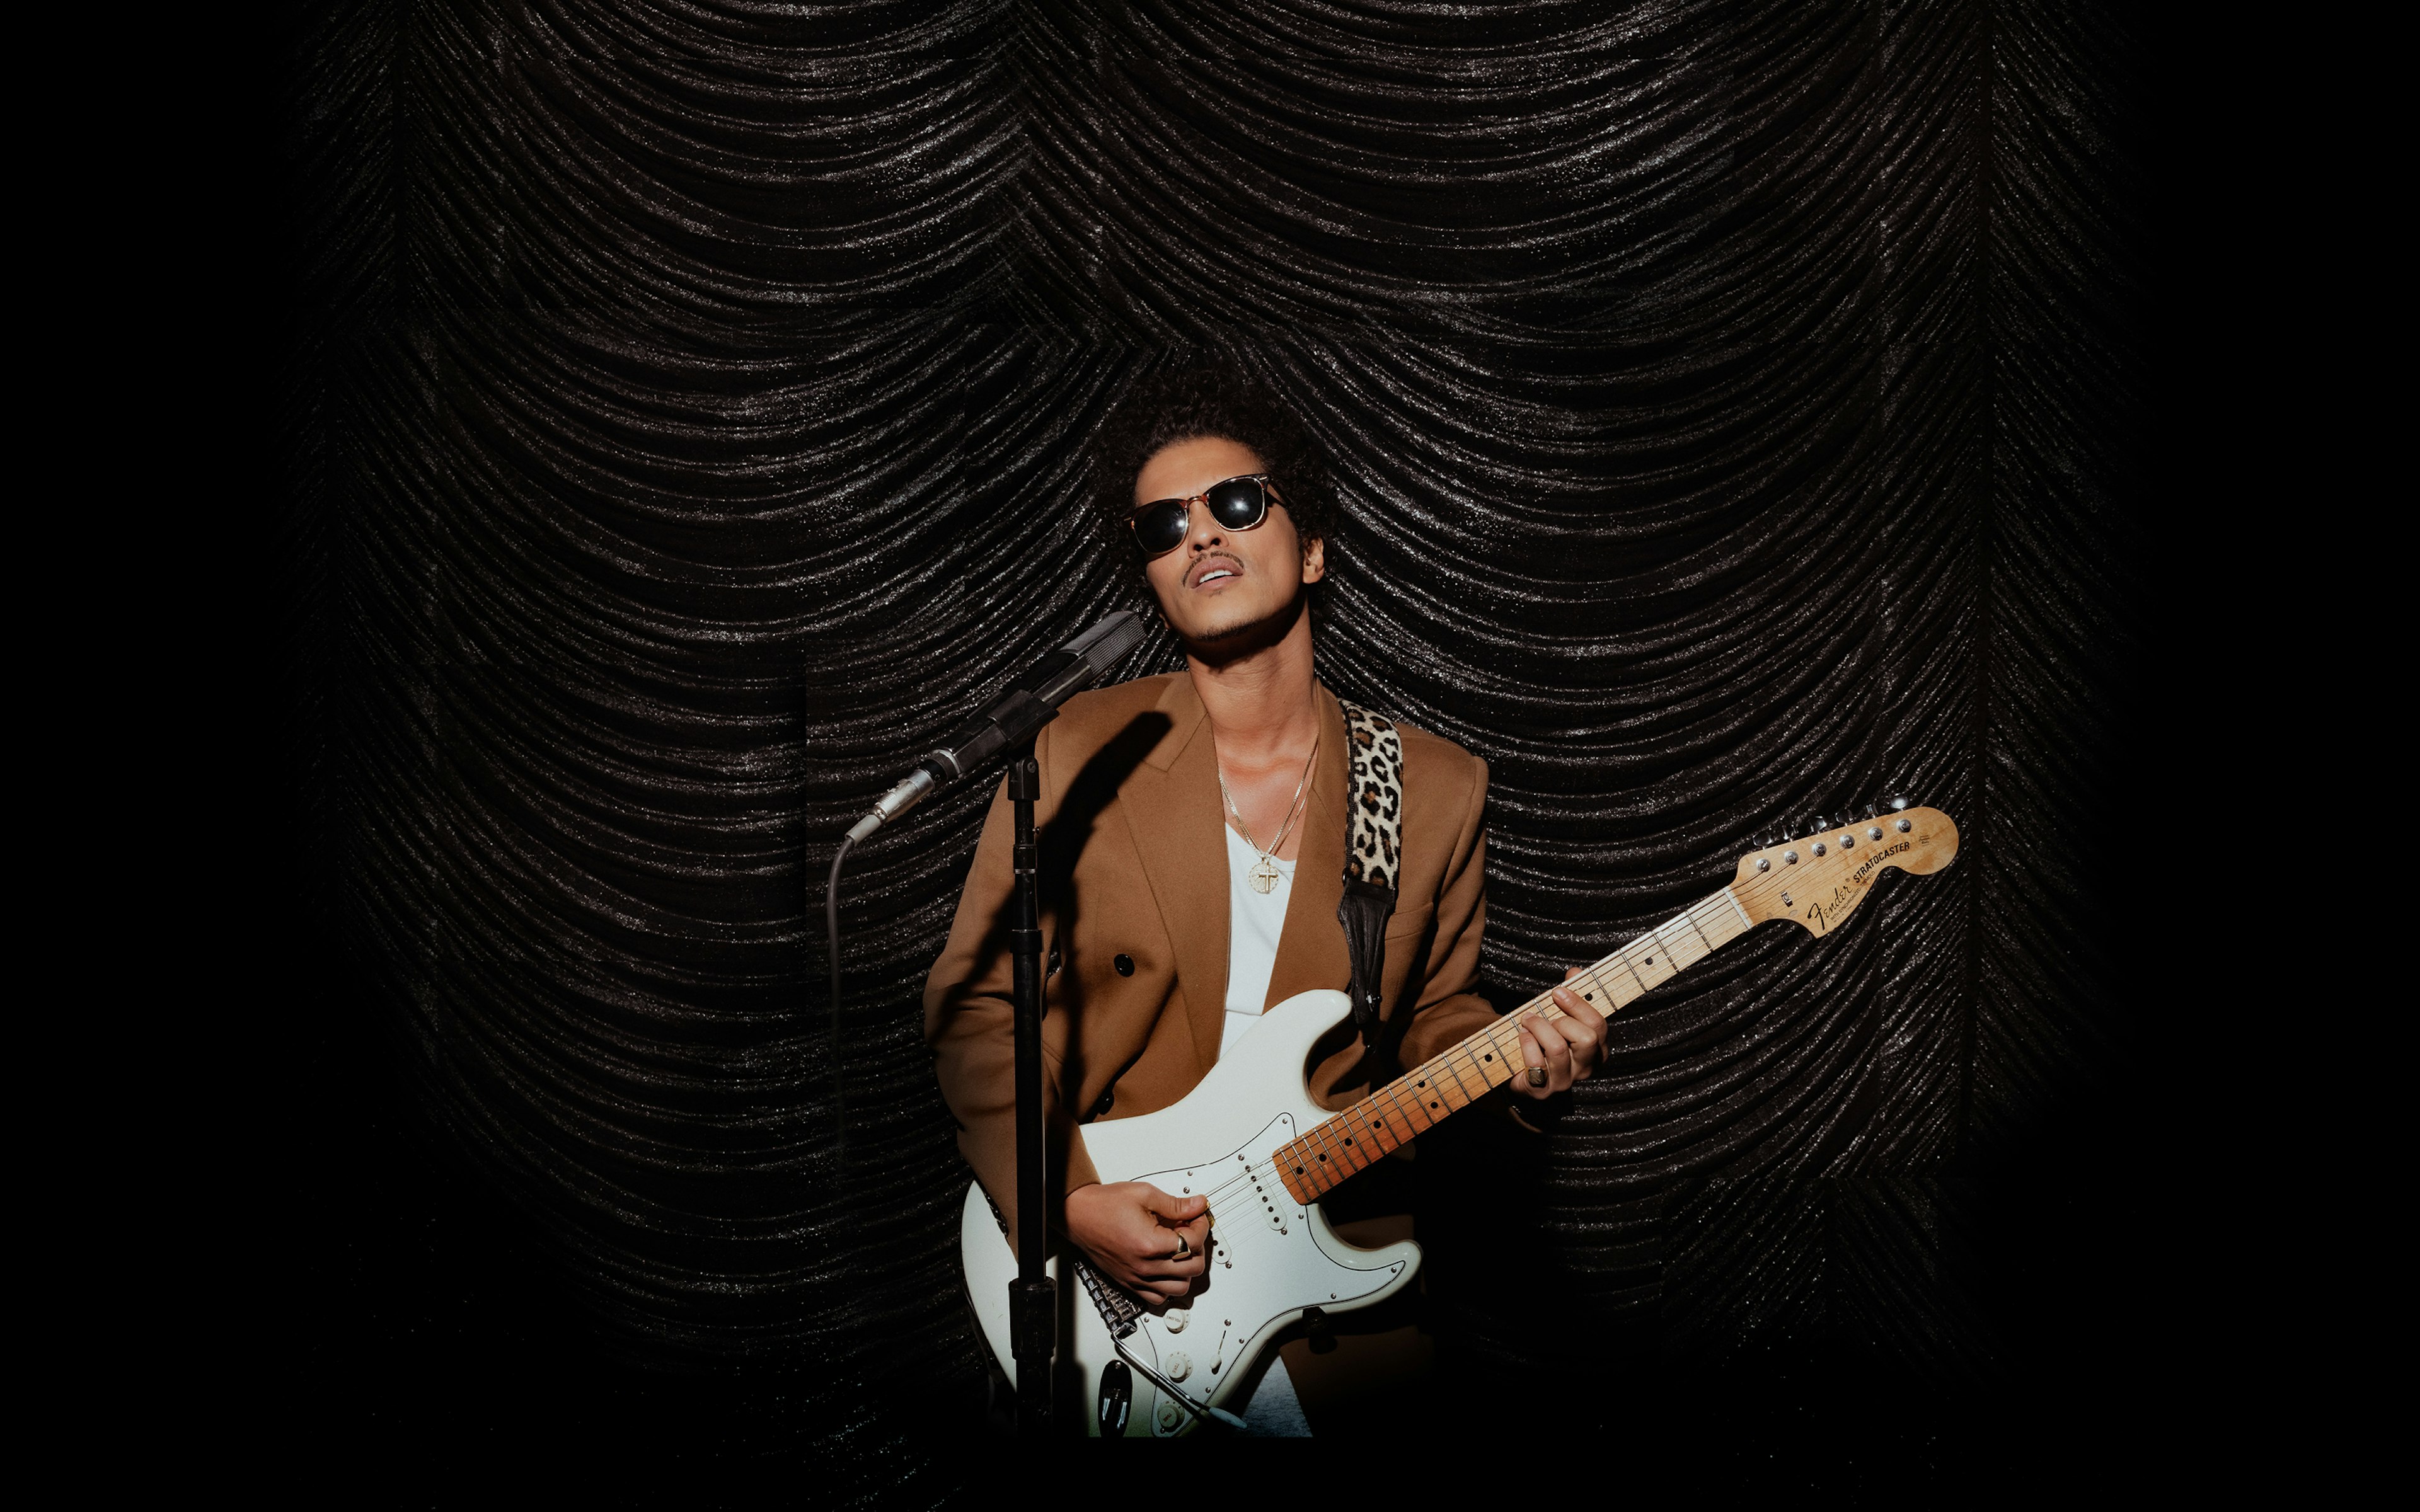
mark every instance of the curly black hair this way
{"type": "Point", "coordinates": [1209, 398]}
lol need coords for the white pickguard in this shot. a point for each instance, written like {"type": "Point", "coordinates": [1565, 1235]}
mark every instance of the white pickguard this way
{"type": "Point", "coordinates": [1270, 1258]}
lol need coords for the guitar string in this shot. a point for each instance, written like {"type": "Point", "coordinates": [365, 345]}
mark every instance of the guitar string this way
{"type": "Point", "coordinates": [1234, 1212]}
{"type": "Point", "coordinates": [1391, 1093]}
{"type": "Point", "coordinates": [1757, 889]}
{"type": "Point", "coordinates": [1496, 1039]}
{"type": "Point", "coordinates": [1494, 1036]}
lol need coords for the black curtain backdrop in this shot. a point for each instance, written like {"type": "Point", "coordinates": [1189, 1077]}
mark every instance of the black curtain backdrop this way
{"type": "Point", "coordinates": [1735, 410]}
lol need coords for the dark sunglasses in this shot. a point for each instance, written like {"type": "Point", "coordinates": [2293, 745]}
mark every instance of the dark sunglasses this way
{"type": "Point", "coordinates": [1237, 504]}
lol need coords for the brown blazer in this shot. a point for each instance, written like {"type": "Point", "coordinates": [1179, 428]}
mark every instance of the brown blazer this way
{"type": "Point", "coordinates": [1135, 898]}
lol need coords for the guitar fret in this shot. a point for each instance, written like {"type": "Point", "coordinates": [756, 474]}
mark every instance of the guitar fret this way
{"type": "Point", "coordinates": [1442, 1087]}
{"type": "Point", "coordinates": [1731, 898]}
{"type": "Point", "coordinates": [1482, 1055]}
{"type": "Point", "coordinates": [1671, 957]}
{"type": "Point", "coordinates": [1498, 1050]}
{"type": "Point", "coordinates": [1596, 982]}
{"type": "Point", "coordinates": [1461, 1086]}
{"type": "Point", "coordinates": [1397, 1113]}
{"type": "Point", "coordinates": [1357, 1146]}
{"type": "Point", "coordinates": [1382, 1131]}
{"type": "Point", "coordinates": [1623, 956]}
{"type": "Point", "coordinates": [1691, 915]}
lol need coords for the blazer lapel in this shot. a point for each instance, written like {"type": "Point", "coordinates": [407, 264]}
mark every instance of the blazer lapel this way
{"type": "Point", "coordinates": [1170, 803]}
{"type": "Point", "coordinates": [1311, 950]}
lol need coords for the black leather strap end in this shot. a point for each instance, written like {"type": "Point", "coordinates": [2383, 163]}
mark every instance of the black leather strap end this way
{"type": "Point", "coordinates": [1364, 910]}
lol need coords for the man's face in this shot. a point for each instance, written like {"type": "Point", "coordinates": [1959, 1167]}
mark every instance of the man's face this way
{"type": "Point", "coordinates": [1221, 583]}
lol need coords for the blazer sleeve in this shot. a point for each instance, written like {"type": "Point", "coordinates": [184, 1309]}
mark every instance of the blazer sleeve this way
{"type": "Point", "coordinates": [970, 1022]}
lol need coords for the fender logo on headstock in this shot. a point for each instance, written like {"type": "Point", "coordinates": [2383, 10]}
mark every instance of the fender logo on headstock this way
{"type": "Point", "coordinates": [1819, 878]}
{"type": "Point", "coordinates": [1844, 897]}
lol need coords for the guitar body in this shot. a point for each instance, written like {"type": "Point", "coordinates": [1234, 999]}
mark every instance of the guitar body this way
{"type": "Point", "coordinates": [1271, 1258]}
{"type": "Point", "coordinates": [1251, 1138]}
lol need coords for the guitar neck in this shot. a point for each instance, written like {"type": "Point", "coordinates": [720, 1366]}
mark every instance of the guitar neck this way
{"type": "Point", "coordinates": [1389, 1117]}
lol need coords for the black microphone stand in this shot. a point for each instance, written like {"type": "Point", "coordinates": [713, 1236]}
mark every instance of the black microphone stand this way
{"type": "Point", "coordinates": [1011, 717]}
{"type": "Point", "coordinates": [1032, 1299]}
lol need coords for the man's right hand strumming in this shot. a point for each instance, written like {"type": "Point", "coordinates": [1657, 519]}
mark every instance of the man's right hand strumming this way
{"type": "Point", "coordinates": [1153, 1244]}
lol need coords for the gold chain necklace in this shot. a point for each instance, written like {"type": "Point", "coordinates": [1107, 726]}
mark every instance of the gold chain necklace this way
{"type": "Point", "coordinates": [1263, 874]}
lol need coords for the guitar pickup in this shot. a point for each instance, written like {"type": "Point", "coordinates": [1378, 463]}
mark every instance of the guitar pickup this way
{"type": "Point", "coordinates": [1269, 1205]}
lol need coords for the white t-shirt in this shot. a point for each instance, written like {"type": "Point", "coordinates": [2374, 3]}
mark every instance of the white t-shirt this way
{"type": "Point", "coordinates": [1254, 923]}
{"type": "Point", "coordinates": [1255, 920]}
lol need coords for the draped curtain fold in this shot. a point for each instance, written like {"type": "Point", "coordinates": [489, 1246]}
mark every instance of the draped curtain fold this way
{"type": "Point", "coordinates": [1730, 404]}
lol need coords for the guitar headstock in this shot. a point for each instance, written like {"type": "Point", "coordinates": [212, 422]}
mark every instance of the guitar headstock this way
{"type": "Point", "coordinates": [1818, 878]}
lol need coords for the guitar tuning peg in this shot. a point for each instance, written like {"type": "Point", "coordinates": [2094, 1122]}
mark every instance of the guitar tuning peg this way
{"type": "Point", "coordinates": [1897, 804]}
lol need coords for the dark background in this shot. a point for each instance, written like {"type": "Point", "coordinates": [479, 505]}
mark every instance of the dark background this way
{"type": "Point", "coordinates": [1740, 414]}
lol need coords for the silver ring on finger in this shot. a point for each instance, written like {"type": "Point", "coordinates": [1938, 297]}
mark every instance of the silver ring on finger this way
{"type": "Point", "coordinates": [1183, 1248]}
{"type": "Point", "coordinates": [1537, 1075]}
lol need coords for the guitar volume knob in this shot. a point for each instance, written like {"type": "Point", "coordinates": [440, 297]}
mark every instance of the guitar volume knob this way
{"type": "Point", "coordinates": [1180, 1366]}
{"type": "Point", "coordinates": [1175, 1319]}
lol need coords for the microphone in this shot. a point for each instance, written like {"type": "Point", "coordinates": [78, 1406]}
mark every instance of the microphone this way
{"type": "Point", "coordinates": [1029, 703]}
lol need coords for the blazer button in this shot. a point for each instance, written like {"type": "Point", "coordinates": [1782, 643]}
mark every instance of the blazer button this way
{"type": "Point", "coordinates": [1124, 965]}
{"type": "Point", "coordinates": [1101, 1108]}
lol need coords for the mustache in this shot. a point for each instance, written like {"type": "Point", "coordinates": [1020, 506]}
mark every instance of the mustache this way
{"type": "Point", "coordinates": [1193, 574]}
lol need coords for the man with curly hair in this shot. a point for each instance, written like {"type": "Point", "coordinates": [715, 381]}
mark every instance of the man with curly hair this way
{"type": "Point", "coordinates": [1194, 831]}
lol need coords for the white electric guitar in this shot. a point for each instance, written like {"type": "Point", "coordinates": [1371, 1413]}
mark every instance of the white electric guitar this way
{"type": "Point", "coordinates": [1252, 1140]}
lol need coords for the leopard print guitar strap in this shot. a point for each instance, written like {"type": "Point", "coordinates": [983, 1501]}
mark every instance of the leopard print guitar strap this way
{"type": "Point", "coordinates": [1373, 849]}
